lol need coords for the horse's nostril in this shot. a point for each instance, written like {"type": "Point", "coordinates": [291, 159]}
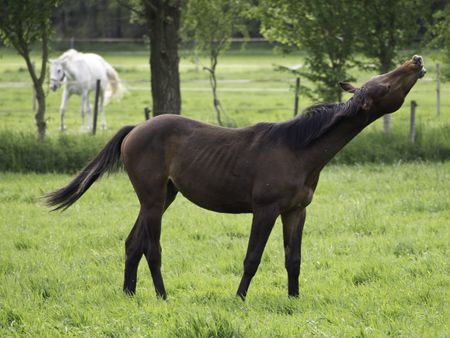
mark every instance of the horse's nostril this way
{"type": "Point", "coordinates": [417, 59]}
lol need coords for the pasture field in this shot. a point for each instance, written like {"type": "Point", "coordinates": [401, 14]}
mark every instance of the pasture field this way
{"type": "Point", "coordinates": [250, 90]}
{"type": "Point", "coordinates": [375, 262]}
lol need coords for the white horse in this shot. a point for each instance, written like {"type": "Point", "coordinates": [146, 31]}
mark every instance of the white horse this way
{"type": "Point", "coordinates": [79, 72]}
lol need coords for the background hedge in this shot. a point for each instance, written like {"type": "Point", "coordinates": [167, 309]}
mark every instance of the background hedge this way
{"type": "Point", "coordinates": [20, 152]}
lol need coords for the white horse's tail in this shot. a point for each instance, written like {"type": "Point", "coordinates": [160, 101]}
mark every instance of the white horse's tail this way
{"type": "Point", "coordinates": [115, 89]}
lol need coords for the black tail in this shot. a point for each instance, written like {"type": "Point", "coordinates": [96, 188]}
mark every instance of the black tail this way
{"type": "Point", "coordinates": [107, 160]}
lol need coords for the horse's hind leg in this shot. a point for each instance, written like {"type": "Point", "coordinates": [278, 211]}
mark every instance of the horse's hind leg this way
{"type": "Point", "coordinates": [151, 218]}
{"type": "Point", "coordinates": [293, 222]}
{"type": "Point", "coordinates": [263, 220]}
{"type": "Point", "coordinates": [144, 238]}
{"type": "Point", "coordinates": [134, 249]}
{"type": "Point", "coordinates": [152, 253]}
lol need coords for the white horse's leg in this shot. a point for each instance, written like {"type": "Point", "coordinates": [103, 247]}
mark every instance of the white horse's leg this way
{"type": "Point", "coordinates": [82, 109]}
{"type": "Point", "coordinates": [62, 109]}
{"type": "Point", "coordinates": [89, 112]}
{"type": "Point", "coordinates": [102, 108]}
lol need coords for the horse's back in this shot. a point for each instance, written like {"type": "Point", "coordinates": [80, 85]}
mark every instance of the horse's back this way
{"type": "Point", "coordinates": [86, 69]}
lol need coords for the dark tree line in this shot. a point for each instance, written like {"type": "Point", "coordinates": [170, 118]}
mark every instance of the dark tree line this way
{"type": "Point", "coordinates": [95, 19]}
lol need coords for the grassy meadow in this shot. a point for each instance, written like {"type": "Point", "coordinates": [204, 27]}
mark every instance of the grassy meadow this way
{"type": "Point", "coordinates": [250, 90]}
{"type": "Point", "coordinates": [375, 262]}
{"type": "Point", "coordinates": [375, 248]}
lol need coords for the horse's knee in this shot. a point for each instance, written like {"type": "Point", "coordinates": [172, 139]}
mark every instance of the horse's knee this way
{"type": "Point", "coordinates": [153, 256]}
{"type": "Point", "coordinates": [251, 266]}
{"type": "Point", "coordinates": [133, 250]}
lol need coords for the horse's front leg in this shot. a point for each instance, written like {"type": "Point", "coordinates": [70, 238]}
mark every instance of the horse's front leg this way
{"type": "Point", "coordinates": [263, 220]}
{"type": "Point", "coordinates": [62, 109]}
{"type": "Point", "coordinates": [293, 222]}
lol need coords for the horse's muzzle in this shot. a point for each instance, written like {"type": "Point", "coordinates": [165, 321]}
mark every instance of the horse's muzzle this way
{"type": "Point", "coordinates": [418, 60]}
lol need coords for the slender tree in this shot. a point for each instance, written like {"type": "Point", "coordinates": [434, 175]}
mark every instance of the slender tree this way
{"type": "Point", "coordinates": [162, 19]}
{"type": "Point", "coordinates": [323, 29]}
{"type": "Point", "coordinates": [212, 23]}
{"type": "Point", "coordinates": [25, 24]}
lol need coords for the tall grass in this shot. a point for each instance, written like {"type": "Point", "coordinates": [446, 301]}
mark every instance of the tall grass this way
{"type": "Point", "coordinates": [21, 152]}
{"type": "Point", "coordinates": [374, 262]}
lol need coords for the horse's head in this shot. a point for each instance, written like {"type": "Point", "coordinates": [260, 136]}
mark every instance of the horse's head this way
{"type": "Point", "coordinates": [384, 94]}
{"type": "Point", "coordinates": [57, 74]}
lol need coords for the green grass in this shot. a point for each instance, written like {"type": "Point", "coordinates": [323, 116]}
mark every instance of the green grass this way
{"type": "Point", "coordinates": [375, 262]}
{"type": "Point", "coordinates": [375, 252]}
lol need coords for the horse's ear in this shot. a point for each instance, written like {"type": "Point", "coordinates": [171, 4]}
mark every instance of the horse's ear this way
{"type": "Point", "coordinates": [347, 87]}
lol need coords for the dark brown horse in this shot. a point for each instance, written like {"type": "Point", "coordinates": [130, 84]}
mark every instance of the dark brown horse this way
{"type": "Point", "coordinates": [269, 169]}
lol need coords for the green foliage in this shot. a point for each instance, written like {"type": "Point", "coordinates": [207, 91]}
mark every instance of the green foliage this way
{"type": "Point", "coordinates": [69, 153]}
{"type": "Point", "coordinates": [211, 24]}
{"type": "Point", "coordinates": [23, 23]}
{"type": "Point", "coordinates": [432, 144]}
{"type": "Point", "coordinates": [386, 27]}
{"type": "Point", "coordinates": [440, 36]}
{"type": "Point", "coordinates": [323, 29]}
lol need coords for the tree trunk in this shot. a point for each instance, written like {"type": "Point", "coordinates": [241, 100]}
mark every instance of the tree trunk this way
{"type": "Point", "coordinates": [37, 84]}
{"type": "Point", "coordinates": [163, 18]}
{"type": "Point", "coordinates": [40, 113]}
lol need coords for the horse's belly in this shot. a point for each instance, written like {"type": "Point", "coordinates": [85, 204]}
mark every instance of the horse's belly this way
{"type": "Point", "coordinates": [226, 199]}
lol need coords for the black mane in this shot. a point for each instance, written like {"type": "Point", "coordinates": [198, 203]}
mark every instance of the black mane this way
{"type": "Point", "coordinates": [314, 121]}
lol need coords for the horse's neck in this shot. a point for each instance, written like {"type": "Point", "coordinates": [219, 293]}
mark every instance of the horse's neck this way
{"type": "Point", "coordinates": [70, 70]}
{"type": "Point", "coordinates": [322, 150]}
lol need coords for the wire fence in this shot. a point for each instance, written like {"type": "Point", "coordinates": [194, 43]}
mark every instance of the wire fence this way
{"type": "Point", "coordinates": [244, 86]}
{"type": "Point", "coordinates": [235, 86]}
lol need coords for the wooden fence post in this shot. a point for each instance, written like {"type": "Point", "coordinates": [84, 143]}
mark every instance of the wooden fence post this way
{"type": "Point", "coordinates": [147, 112]}
{"type": "Point", "coordinates": [94, 121]}
{"type": "Point", "coordinates": [412, 126]}
{"type": "Point", "coordinates": [438, 89]}
{"type": "Point", "coordinates": [297, 93]}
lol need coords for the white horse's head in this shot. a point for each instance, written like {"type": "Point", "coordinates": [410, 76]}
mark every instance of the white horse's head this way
{"type": "Point", "coordinates": [57, 69]}
{"type": "Point", "coordinates": [57, 74]}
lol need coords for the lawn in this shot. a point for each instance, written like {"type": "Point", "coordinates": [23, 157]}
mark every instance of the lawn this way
{"type": "Point", "coordinates": [375, 262]}
{"type": "Point", "coordinates": [375, 249]}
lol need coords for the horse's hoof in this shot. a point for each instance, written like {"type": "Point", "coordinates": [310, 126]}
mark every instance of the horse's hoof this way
{"type": "Point", "coordinates": [241, 296]}
{"type": "Point", "coordinates": [128, 292]}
